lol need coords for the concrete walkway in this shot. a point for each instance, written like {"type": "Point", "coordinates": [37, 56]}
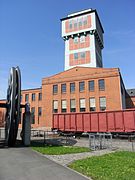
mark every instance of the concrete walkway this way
{"type": "Point", "coordinates": [25, 164]}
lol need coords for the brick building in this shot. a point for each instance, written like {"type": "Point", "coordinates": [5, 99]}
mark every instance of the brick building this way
{"type": "Point", "coordinates": [85, 85]}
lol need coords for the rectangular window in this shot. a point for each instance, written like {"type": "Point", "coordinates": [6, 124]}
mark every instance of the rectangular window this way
{"type": "Point", "coordinates": [82, 39]}
{"type": "Point", "coordinates": [82, 105]}
{"type": "Point", "coordinates": [63, 88]}
{"type": "Point", "coordinates": [91, 85]}
{"type": "Point", "coordinates": [72, 87]}
{"type": "Point", "coordinates": [75, 23]}
{"type": "Point", "coordinates": [72, 105]}
{"type": "Point", "coordinates": [55, 89]}
{"type": "Point", "coordinates": [80, 22]}
{"type": "Point", "coordinates": [63, 106]}
{"type": "Point", "coordinates": [85, 21]}
{"type": "Point", "coordinates": [40, 96]}
{"type": "Point", "coordinates": [26, 97]}
{"type": "Point", "coordinates": [82, 55]}
{"type": "Point", "coordinates": [75, 55]}
{"type": "Point", "coordinates": [39, 111]}
{"type": "Point", "coordinates": [33, 115]}
{"type": "Point", "coordinates": [75, 40]}
{"type": "Point", "coordinates": [101, 84]}
{"type": "Point", "coordinates": [33, 97]}
{"type": "Point", "coordinates": [102, 101]}
{"type": "Point", "coordinates": [55, 106]}
{"type": "Point", "coordinates": [70, 24]}
{"type": "Point", "coordinates": [92, 104]}
{"type": "Point", "coordinates": [81, 86]}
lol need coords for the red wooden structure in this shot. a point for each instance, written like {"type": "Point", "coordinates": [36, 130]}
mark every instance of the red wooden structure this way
{"type": "Point", "coordinates": [107, 121]}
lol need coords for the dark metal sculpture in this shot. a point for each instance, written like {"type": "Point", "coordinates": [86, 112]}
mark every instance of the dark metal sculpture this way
{"type": "Point", "coordinates": [13, 106]}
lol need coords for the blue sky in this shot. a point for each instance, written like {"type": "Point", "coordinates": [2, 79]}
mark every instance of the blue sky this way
{"type": "Point", "coordinates": [30, 37]}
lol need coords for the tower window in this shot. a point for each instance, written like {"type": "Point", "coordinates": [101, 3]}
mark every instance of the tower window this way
{"type": "Point", "coordinates": [75, 55]}
{"type": "Point", "coordinates": [70, 24]}
{"type": "Point", "coordinates": [82, 54]}
{"type": "Point", "coordinates": [75, 40]}
{"type": "Point", "coordinates": [82, 39]}
{"type": "Point", "coordinates": [80, 22]}
{"type": "Point", "coordinates": [75, 23]}
{"type": "Point", "coordinates": [85, 21]}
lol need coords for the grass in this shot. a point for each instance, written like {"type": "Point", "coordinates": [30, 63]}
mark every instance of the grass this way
{"type": "Point", "coordinates": [58, 150]}
{"type": "Point", "coordinates": [113, 166]}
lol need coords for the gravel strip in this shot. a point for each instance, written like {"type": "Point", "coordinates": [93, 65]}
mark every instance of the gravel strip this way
{"type": "Point", "coordinates": [69, 158]}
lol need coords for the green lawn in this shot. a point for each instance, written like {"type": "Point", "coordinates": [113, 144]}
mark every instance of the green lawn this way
{"type": "Point", "coordinates": [59, 150]}
{"type": "Point", "coordinates": [114, 166]}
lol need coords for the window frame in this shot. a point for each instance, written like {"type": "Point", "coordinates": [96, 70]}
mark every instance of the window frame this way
{"type": "Point", "coordinates": [72, 109]}
{"type": "Point", "coordinates": [63, 88]}
{"type": "Point", "coordinates": [55, 91]}
{"type": "Point", "coordinates": [63, 110]}
{"type": "Point", "coordinates": [33, 97]}
{"type": "Point", "coordinates": [72, 88]}
{"type": "Point", "coordinates": [91, 87]}
{"type": "Point", "coordinates": [100, 85]}
{"type": "Point", "coordinates": [102, 108]}
{"type": "Point", "coordinates": [80, 88]}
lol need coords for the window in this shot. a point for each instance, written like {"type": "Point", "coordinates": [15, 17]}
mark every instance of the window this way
{"type": "Point", "coordinates": [55, 106]}
{"type": "Point", "coordinates": [33, 97]}
{"type": "Point", "coordinates": [82, 54]}
{"type": "Point", "coordinates": [81, 86]}
{"type": "Point", "coordinates": [92, 104]}
{"type": "Point", "coordinates": [63, 106]}
{"type": "Point", "coordinates": [26, 97]}
{"type": "Point", "coordinates": [75, 40]}
{"type": "Point", "coordinates": [101, 84]}
{"type": "Point", "coordinates": [82, 105]}
{"type": "Point", "coordinates": [72, 105]}
{"type": "Point", "coordinates": [39, 111]}
{"type": "Point", "coordinates": [80, 22]}
{"type": "Point", "coordinates": [72, 87]}
{"type": "Point", "coordinates": [75, 55]}
{"type": "Point", "coordinates": [91, 85]}
{"type": "Point", "coordinates": [40, 96]}
{"type": "Point", "coordinates": [102, 101]}
{"type": "Point", "coordinates": [63, 88]}
{"type": "Point", "coordinates": [55, 89]}
{"type": "Point", "coordinates": [33, 115]}
{"type": "Point", "coordinates": [75, 23]}
{"type": "Point", "coordinates": [82, 39]}
{"type": "Point", "coordinates": [70, 24]}
{"type": "Point", "coordinates": [85, 21]}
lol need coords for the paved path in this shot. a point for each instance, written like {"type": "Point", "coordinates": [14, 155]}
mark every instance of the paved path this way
{"type": "Point", "coordinates": [69, 158]}
{"type": "Point", "coordinates": [24, 164]}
